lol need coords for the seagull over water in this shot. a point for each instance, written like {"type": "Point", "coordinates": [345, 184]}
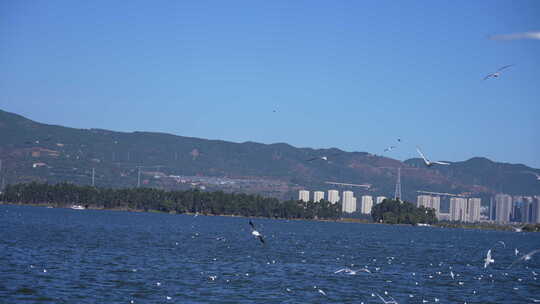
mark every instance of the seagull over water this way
{"type": "Point", "coordinates": [352, 272]}
{"type": "Point", "coordinates": [488, 260]}
{"type": "Point", "coordinates": [498, 72]}
{"type": "Point", "coordinates": [256, 233]}
{"type": "Point", "coordinates": [428, 162]}
{"type": "Point", "coordinates": [518, 229]}
{"type": "Point", "coordinates": [391, 301]}
{"type": "Point", "coordinates": [525, 257]}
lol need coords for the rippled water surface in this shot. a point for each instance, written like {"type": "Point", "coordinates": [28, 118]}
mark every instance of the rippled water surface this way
{"type": "Point", "coordinates": [89, 256]}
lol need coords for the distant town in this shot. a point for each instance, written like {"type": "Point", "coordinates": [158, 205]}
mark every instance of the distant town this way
{"type": "Point", "coordinates": [503, 208]}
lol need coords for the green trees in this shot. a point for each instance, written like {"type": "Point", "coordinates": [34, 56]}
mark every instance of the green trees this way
{"type": "Point", "coordinates": [218, 203]}
{"type": "Point", "coordinates": [396, 212]}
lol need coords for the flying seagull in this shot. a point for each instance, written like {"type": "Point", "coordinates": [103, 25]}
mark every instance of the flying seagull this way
{"type": "Point", "coordinates": [324, 157]}
{"type": "Point", "coordinates": [318, 157]}
{"type": "Point", "coordinates": [389, 149]}
{"type": "Point", "coordinates": [516, 36]}
{"type": "Point", "coordinates": [256, 233]}
{"type": "Point", "coordinates": [391, 301]}
{"type": "Point", "coordinates": [427, 162]}
{"type": "Point", "coordinates": [498, 72]}
{"type": "Point", "coordinates": [525, 257]}
{"type": "Point", "coordinates": [488, 260]}
{"type": "Point", "coordinates": [352, 272]}
{"type": "Point", "coordinates": [535, 174]}
{"type": "Point", "coordinates": [518, 229]}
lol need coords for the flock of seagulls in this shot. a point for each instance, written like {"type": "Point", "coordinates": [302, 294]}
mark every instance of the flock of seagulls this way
{"type": "Point", "coordinates": [489, 259]}
{"type": "Point", "coordinates": [390, 300]}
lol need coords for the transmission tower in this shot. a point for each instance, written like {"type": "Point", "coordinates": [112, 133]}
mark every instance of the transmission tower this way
{"type": "Point", "coordinates": [397, 192]}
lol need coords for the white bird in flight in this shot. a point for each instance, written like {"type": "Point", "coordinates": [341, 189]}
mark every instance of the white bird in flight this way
{"type": "Point", "coordinates": [488, 260]}
{"type": "Point", "coordinates": [392, 301]}
{"type": "Point", "coordinates": [389, 149]}
{"type": "Point", "coordinates": [518, 229]}
{"type": "Point", "coordinates": [535, 174]}
{"type": "Point", "coordinates": [352, 272]}
{"type": "Point", "coordinates": [324, 157]}
{"type": "Point", "coordinates": [427, 162]}
{"type": "Point", "coordinates": [256, 233]}
{"type": "Point", "coordinates": [497, 73]}
{"type": "Point", "coordinates": [525, 257]}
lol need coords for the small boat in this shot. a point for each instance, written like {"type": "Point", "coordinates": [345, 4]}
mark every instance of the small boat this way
{"type": "Point", "coordinates": [423, 225]}
{"type": "Point", "coordinates": [77, 207]}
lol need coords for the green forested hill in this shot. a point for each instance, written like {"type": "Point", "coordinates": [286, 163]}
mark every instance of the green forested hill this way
{"type": "Point", "coordinates": [31, 151]}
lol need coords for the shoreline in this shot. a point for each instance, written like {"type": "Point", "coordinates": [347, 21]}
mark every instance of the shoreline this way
{"type": "Point", "coordinates": [485, 226]}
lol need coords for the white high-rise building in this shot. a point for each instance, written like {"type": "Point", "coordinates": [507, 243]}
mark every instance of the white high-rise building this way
{"type": "Point", "coordinates": [333, 196]}
{"type": "Point", "coordinates": [318, 196]}
{"type": "Point", "coordinates": [429, 201]}
{"type": "Point", "coordinates": [367, 204]}
{"type": "Point", "coordinates": [517, 203]}
{"type": "Point", "coordinates": [473, 210]}
{"type": "Point", "coordinates": [458, 209]}
{"type": "Point", "coordinates": [526, 209]}
{"type": "Point", "coordinates": [503, 208]}
{"type": "Point", "coordinates": [535, 216]}
{"type": "Point", "coordinates": [303, 195]}
{"type": "Point", "coordinates": [349, 202]}
{"type": "Point", "coordinates": [380, 199]}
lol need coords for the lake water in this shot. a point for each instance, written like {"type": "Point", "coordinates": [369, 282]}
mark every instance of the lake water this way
{"type": "Point", "coordinates": [91, 256]}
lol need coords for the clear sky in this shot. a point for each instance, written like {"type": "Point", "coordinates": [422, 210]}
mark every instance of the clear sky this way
{"type": "Point", "coordinates": [355, 75]}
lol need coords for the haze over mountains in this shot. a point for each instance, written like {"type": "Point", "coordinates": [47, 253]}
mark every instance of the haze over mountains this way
{"type": "Point", "coordinates": [34, 151]}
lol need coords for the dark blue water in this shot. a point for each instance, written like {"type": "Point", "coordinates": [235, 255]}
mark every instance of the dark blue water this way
{"type": "Point", "coordinates": [72, 256]}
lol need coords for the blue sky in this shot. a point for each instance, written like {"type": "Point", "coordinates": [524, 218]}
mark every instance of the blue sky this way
{"type": "Point", "coordinates": [355, 75]}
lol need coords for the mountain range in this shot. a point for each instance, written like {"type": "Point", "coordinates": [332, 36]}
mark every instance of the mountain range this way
{"type": "Point", "coordinates": [33, 151]}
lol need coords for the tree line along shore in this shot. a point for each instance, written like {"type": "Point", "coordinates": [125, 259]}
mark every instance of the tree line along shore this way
{"type": "Point", "coordinates": [221, 203]}
{"type": "Point", "coordinates": [150, 199]}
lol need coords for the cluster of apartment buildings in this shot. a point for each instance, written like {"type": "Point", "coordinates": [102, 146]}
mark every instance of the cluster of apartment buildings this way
{"type": "Point", "coordinates": [349, 203]}
{"type": "Point", "coordinates": [504, 208]}
{"type": "Point", "coordinates": [461, 208]}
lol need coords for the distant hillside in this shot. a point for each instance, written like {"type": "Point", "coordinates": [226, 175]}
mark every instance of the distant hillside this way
{"type": "Point", "coordinates": [35, 151]}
